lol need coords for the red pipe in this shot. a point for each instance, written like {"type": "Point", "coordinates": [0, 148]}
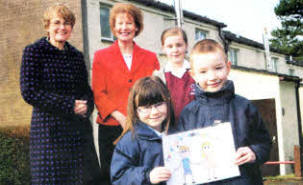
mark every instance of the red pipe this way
{"type": "Point", "coordinates": [280, 162]}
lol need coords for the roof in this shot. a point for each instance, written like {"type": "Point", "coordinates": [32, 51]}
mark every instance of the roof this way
{"type": "Point", "coordinates": [229, 36]}
{"type": "Point", "coordinates": [283, 77]}
{"type": "Point", "coordinates": [242, 40]}
{"type": "Point", "coordinates": [294, 62]}
{"type": "Point", "coordinates": [164, 7]}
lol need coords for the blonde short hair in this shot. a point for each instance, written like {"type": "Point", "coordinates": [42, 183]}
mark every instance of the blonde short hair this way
{"type": "Point", "coordinates": [130, 10]}
{"type": "Point", "coordinates": [207, 46]}
{"type": "Point", "coordinates": [58, 10]}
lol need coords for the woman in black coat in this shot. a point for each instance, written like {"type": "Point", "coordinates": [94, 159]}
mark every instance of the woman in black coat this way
{"type": "Point", "coordinates": [54, 81]}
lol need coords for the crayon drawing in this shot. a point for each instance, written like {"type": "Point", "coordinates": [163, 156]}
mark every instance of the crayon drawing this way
{"type": "Point", "coordinates": [201, 155]}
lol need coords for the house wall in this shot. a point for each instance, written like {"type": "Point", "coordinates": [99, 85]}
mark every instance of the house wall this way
{"type": "Point", "coordinates": [21, 24]}
{"type": "Point", "coordinates": [289, 120]}
{"type": "Point", "coordinates": [190, 28]}
{"type": "Point", "coordinates": [155, 22]}
{"type": "Point", "coordinates": [283, 67]}
{"type": "Point", "coordinates": [252, 57]}
{"type": "Point", "coordinates": [254, 85]}
{"type": "Point", "coordinates": [249, 56]}
{"type": "Point", "coordinates": [257, 86]}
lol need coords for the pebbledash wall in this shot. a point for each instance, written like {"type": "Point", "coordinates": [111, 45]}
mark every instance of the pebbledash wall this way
{"type": "Point", "coordinates": [21, 24]}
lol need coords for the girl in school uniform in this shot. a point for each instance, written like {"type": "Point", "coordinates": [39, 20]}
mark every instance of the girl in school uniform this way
{"type": "Point", "coordinates": [176, 71]}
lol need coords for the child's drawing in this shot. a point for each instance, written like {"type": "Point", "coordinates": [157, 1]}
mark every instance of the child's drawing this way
{"type": "Point", "coordinates": [184, 153]}
{"type": "Point", "coordinates": [208, 156]}
{"type": "Point", "coordinates": [201, 155]}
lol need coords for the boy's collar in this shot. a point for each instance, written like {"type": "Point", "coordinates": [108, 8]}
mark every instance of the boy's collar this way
{"type": "Point", "coordinates": [227, 87]}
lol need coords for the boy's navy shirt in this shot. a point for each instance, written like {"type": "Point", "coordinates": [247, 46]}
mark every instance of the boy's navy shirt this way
{"type": "Point", "coordinates": [247, 126]}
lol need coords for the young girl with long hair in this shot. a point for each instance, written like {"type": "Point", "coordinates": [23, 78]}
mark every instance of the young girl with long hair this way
{"type": "Point", "coordinates": [138, 158]}
{"type": "Point", "coordinates": [175, 73]}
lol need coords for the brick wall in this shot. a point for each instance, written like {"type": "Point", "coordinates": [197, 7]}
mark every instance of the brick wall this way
{"type": "Point", "coordinates": [21, 24]}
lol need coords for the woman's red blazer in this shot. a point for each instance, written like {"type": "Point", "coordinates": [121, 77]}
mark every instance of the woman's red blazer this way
{"type": "Point", "coordinates": [112, 80]}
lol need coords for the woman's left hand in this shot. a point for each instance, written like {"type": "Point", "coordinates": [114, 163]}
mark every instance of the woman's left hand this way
{"type": "Point", "coordinates": [244, 155]}
{"type": "Point", "coordinates": [80, 107]}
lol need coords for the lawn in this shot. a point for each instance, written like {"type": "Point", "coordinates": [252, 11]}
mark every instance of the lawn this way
{"type": "Point", "coordinates": [14, 156]}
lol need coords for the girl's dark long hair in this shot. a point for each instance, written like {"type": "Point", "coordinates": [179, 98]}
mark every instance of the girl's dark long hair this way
{"type": "Point", "coordinates": [148, 91]}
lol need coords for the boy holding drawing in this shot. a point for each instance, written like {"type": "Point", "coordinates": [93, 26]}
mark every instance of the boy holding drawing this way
{"type": "Point", "coordinates": [216, 101]}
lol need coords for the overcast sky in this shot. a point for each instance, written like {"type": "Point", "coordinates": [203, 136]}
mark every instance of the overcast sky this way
{"type": "Point", "coordinates": [247, 18]}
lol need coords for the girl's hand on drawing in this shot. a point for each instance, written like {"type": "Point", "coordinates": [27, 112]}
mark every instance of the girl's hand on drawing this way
{"type": "Point", "coordinates": [80, 107]}
{"type": "Point", "coordinates": [244, 155]}
{"type": "Point", "coordinates": [119, 117]}
{"type": "Point", "coordinates": [159, 174]}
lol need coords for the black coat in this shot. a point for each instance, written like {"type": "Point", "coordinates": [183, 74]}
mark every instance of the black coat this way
{"type": "Point", "coordinates": [247, 125]}
{"type": "Point", "coordinates": [61, 147]}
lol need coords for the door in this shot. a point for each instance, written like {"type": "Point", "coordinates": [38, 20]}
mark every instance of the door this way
{"type": "Point", "coordinates": [267, 110]}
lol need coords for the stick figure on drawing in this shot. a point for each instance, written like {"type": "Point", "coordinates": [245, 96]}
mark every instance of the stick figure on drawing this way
{"type": "Point", "coordinates": [208, 157]}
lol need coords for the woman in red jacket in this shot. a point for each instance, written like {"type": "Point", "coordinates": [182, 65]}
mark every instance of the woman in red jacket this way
{"type": "Point", "coordinates": [115, 70]}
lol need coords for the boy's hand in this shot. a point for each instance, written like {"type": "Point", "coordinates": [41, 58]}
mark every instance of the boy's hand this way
{"type": "Point", "coordinates": [244, 155]}
{"type": "Point", "coordinates": [159, 174]}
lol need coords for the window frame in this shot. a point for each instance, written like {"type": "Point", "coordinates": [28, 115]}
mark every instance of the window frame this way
{"type": "Point", "coordinates": [233, 56]}
{"type": "Point", "coordinates": [291, 72]}
{"type": "Point", "coordinates": [110, 38]}
{"type": "Point", "coordinates": [199, 30]}
{"type": "Point", "coordinates": [274, 63]}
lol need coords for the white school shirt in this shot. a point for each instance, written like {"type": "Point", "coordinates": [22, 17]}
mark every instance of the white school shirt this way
{"type": "Point", "coordinates": [180, 72]}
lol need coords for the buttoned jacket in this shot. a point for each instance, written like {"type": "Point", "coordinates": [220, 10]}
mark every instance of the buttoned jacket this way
{"type": "Point", "coordinates": [112, 80]}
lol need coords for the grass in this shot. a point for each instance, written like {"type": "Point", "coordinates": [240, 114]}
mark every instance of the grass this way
{"type": "Point", "coordinates": [14, 155]}
{"type": "Point", "coordinates": [283, 177]}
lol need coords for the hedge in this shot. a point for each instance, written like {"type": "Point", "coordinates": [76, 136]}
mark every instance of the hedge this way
{"type": "Point", "coordinates": [14, 156]}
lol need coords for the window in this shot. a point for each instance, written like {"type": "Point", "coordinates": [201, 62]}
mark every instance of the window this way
{"type": "Point", "coordinates": [106, 33]}
{"type": "Point", "coordinates": [291, 72]}
{"type": "Point", "coordinates": [200, 34]}
{"type": "Point", "coordinates": [233, 56]}
{"type": "Point", "coordinates": [274, 64]}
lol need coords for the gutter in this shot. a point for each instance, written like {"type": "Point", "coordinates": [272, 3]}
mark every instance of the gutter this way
{"type": "Point", "coordinates": [85, 36]}
{"type": "Point", "coordinates": [226, 43]}
{"type": "Point", "coordinates": [299, 118]}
